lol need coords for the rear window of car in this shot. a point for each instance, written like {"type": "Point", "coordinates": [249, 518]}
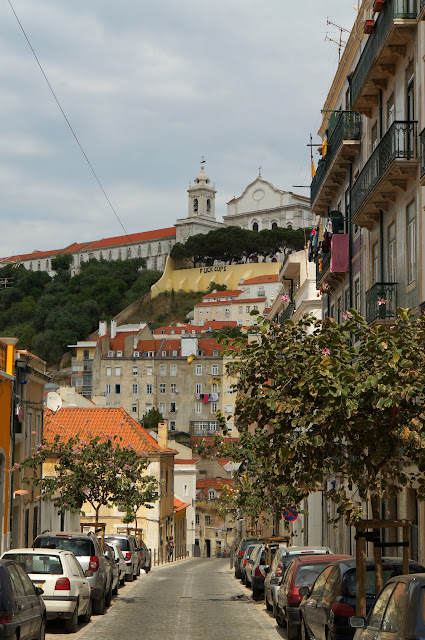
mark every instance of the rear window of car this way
{"type": "Point", "coordinates": [349, 580]}
{"type": "Point", "coordinates": [307, 573]}
{"type": "Point", "coordinates": [77, 546]}
{"type": "Point", "coordinates": [37, 562]}
{"type": "Point", "coordinates": [121, 542]}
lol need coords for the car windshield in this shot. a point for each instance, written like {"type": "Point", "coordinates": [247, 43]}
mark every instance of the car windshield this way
{"type": "Point", "coordinates": [307, 574]}
{"type": "Point", "coordinates": [121, 542]}
{"type": "Point", "coordinates": [349, 581]}
{"type": "Point", "coordinates": [37, 562]}
{"type": "Point", "coordinates": [78, 546]}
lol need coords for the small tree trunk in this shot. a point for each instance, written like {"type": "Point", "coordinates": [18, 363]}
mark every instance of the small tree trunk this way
{"type": "Point", "coordinates": [377, 551]}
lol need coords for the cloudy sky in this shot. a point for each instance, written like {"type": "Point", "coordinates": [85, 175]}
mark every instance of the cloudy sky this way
{"type": "Point", "coordinates": [150, 86]}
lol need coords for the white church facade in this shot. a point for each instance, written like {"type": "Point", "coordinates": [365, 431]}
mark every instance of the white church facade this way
{"type": "Point", "coordinates": [260, 206]}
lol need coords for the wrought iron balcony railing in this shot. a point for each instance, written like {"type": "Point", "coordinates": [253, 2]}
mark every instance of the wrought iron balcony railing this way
{"type": "Point", "coordinates": [348, 127]}
{"type": "Point", "coordinates": [422, 145]}
{"type": "Point", "coordinates": [393, 9]}
{"type": "Point", "coordinates": [381, 302]}
{"type": "Point", "coordinates": [322, 268]}
{"type": "Point", "coordinates": [285, 315]}
{"type": "Point", "coordinates": [399, 143]}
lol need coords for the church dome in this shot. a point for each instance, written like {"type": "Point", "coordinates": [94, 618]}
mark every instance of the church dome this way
{"type": "Point", "coordinates": [202, 177]}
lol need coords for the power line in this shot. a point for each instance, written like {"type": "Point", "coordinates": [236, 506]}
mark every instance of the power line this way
{"type": "Point", "coordinates": [69, 124]}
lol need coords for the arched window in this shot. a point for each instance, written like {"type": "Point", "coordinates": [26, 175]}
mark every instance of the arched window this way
{"type": "Point", "coordinates": [30, 266]}
{"type": "Point", "coordinates": [119, 254]}
{"type": "Point", "coordinates": [38, 265]}
{"type": "Point", "coordinates": [139, 251]}
{"type": "Point", "coordinates": [129, 252]}
{"type": "Point", "coordinates": [208, 204]}
{"type": "Point", "coordinates": [47, 265]}
{"type": "Point", "coordinates": [110, 255]}
{"type": "Point", "coordinates": [274, 225]}
{"type": "Point", "coordinates": [149, 249]}
{"type": "Point", "coordinates": [255, 226]}
{"type": "Point", "coordinates": [101, 255]}
{"type": "Point", "coordinates": [195, 204]}
{"type": "Point", "coordinates": [159, 248]}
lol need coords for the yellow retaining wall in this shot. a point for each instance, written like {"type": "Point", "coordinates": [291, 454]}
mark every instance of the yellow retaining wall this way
{"type": "Point", "coordinates": [199, 279]}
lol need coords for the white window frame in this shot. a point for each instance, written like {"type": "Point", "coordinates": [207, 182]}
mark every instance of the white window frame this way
{"type": "Point", "coordinates": [199, 369]}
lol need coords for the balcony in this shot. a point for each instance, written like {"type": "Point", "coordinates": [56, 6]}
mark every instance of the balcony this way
{"type": "Point", "coordinates": [343, 146]}
{"type": "Point", "coordinates": [421, 15]}
{"type": "Point", "coordinates": [422, 147]}
{"type": "Point", "coordinates": [389, 169]}
{"type": "Point", "coordinates": [388, 40]}
{"type": "Point", "coordinates": [335, 263]}
{"type": "Point", "coordinates": [381, 303]}
{"type": "Point", "coordinates": [287, 313]}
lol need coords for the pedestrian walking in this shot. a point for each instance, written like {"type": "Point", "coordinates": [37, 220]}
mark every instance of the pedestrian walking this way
{"type": "Point", "coordinates": [170, 549]}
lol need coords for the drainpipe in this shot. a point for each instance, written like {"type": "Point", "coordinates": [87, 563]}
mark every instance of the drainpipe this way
{"type": "Point", "coordinates": [350, 238]}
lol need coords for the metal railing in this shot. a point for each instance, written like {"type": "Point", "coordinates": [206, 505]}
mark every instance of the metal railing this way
{"type": "Point", "coordinates": [393, 9]}
{"type": "Point", "coordinates": [399, 143]}
{"type": "Point", "coordinates": [326, 265]}
{"type": "Point", "coordinates": [381, 302]}
{"type": "Point", "coordinates": [348, 127]}
{"type": "Point", "coordinates": [422, 146]}
{"type": "Point", "coordinates": [422, 4]}
{"type": "Point", "coordinates": [286, 315]}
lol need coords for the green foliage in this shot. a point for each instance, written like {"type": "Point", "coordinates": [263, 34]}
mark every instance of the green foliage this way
{"type": "Point", "coordinates": [151, 419]}
{"type": "Point", "coordinates": [227, 332]}
{"type": "Point", "coordinates": [214, 286]}
{"type": "Point", "coordinates": [88, 469]}
{"type": "Point", "coordinates": [318, 399]}
{"type": "Point", "coordinates": [233, 244]}
{"type": "Point", "coordinates": [47, 314]}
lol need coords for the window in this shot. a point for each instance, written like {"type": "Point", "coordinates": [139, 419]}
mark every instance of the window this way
{"type": "Point", "coordinates": [185, 490]}
{"type": "Point", "coordinates": [136, 354]}
{"type": "Point", "coordinates": [216, 353]}
{"type": "Point", "coordinates": [117, 388]}
{"type": "Point", "coordinates": [214, 407]}
{"type": "Point", "coordinates": [195, 204]}
{"type": "Point", "coordinates": [380, 605]}
{"type": "Point", "coordinates": [240, 310]}
{"type": "Point", "coordinates": [207, 520]}
{"type": "Point", "coordinates": [374, 136]}
{"type": "Point", "coordinates": [339, 309]}
{"type": "Point", "coordinates": [173, 369]}
{"type": "Point", "coordinates": [211, 494]}
{"type": "Point", "coordinates": [135, 370]}
{"type": "Point", "coordinates": [214, 388]}
{"type": "Point", "coordinates": [135, 389]}
{"type": "Point", "coordinates": [173, 407]}
{"type": "Point", "coordinates": [86, 354]}
{"type": "Point", "coordinates": [149, 370]}
{"type": "Point", "coordinates": [163, 370]}
{"type": "Point", "coordinates": [357, 300]}
{"type": "Point", "coordinates": [229, 408]}
{"type": "Point", "coordinates": [375, 263]}
{"type": "Point", "coordinates": [174, 353]}
{"type": "Point", "coordinates": [198, 387]}
{"type": "Point", "coordinates": [172, 425]}
{"type": "Point", "coordinates": [274, 225]}
{"type": "Point", "coordinates": [390, 110]}
{"type": "Point", "coordinates": [394, 615]}
{"type": "Point", "coordinates": [248, 309]}
{"type": "Point", "coordinates": [255, 307]}
{"type": "Point", "coordinates": [411, 243]}
{"type": "Point", "coordinates": [229, 389]}
{"type": "Point", "coordinates": [214, 369]}
{"type": "Point", "coordinates": [227, 312]}
{"type": "Point", "coordinates": [392, 273]}
{"type": "Point", "coordinates": [173, 387]}
{"type": "Point", "coordinates": [149, 389]}
{"type": "Point", "coordinates": [162, 407]}
{"type": "Point", "coordinates": [117, 371]}
{"type": "Point", "coordinates": [134, 408]}
{"type": "Point", "coordinates": [199, 369]}
{"type": "Point", "coordinates": [197, 518]}
{"type": "Point", "coordinates": [347, 299]}
{"type": "Point", "coordinates": [198, 407]}
{"type": "Point", "coordinates": [108, 371]}
{"type": "Point", "coordinates": [108, 389]}
{"type": "Point", "coordinates": [119, 354]}
{"type": "Point", "coordinates": [111, 354]}
{"type": "Point", "coordinates": [162, 387]}
{"type": "Point", "coordinates": [255, 226]}
{"type": "Point", "coordinates": [208, 205]}
{"type": "Point", "coordinates": [332, 311]}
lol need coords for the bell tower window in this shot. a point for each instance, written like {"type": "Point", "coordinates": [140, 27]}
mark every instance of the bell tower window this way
{"type": "Point", "coordinates": [208, 204]}
{"type": "Point", "coordinates": [195, 204]}
{"type": "Point", "coordinates": [255, 226]}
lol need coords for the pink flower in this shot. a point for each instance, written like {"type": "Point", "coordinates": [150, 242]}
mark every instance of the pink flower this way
{"type": "Point", "coordinates": [240, 447]}
{"type": "Point", "coordinates": [382, 301]}
{"type": "Point", "coordinates": [347, 315]}
{"type": "Point", "coordinates": [285, 297]}
{"type": "Point", "coordinates": [325, 352]}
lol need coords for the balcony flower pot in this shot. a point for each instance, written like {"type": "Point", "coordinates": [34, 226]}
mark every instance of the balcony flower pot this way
{"type": "Point", "coordinates": [378, 5]}
{"type": "Point", "coordinates": [368, 26]}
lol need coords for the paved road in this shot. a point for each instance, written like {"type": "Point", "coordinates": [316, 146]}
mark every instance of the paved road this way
{"type": "Point", "coordinates": [192, 600]}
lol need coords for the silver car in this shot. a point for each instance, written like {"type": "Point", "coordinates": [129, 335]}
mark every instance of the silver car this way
{"type": "Point", "coordinates": [119, 559]}
{"type": "Point", "coordinates": [281, 560]}
{"type": "Point", "coordinates": [130, 551]}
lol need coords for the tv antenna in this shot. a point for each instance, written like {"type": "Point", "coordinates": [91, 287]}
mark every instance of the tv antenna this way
{"type": "Point", "coordinates": [340, 43]}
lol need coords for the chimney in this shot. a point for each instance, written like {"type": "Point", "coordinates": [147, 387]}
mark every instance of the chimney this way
{"type": "Point", "coordinates": [113, 329]}
{"type": "Point", "coordinates": [103, 329]}
{"type": "Point", "coordinates": [163, 434]}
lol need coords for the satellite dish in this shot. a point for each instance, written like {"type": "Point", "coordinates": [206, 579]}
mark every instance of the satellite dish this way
{"type": "Point", "coordinates": [53, 401]}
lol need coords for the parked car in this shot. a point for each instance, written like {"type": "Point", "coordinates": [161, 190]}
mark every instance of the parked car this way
{"type": "Point", "coordinates": [110, 556]}
{"type": "Point", "coordinates": [88, 551]}
{"type": "Point", "coordinates": [397, 613]}
{"type": "Point", "coordinates": [130, 550]}
{"type": "Point", "coordinates": [328, 606]}
{"type": "Point", "coordinates": [249, 565]}
{"type": "Point", "coordinates": [244, 561]}
{"type": "Point", "coordinates": [240, 550]}
{"type": "Point", "coordinates": [22, 610]}
{"type": "Point", "coordinates": [119, 559]}
{"type": "Point", "coordinates": [66, 591]}
{"type": "Point", "coordinates": [274, 575]}
{"type": "Point", "coordinates": [259, 570]}
{"type": "Point", "coordinates": [145, 557]}
{"type": "Point", "coordinates": [301, 572]}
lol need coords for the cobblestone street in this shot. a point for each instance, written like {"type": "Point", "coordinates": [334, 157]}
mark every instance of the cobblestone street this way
{"type": "Point", "coordinates": [191, 600]}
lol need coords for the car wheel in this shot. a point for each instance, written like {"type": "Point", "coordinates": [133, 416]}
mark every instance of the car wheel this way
{"type": "Point", "coordinates": [108, 597]}
{"type": "Point", "coordinates": [71, 624]}
{"type": "Point", "coordinates": [115, 590]}
{"type": "Point", "coordinates": [247, 583]}
{"type": "Point", "coordinates": [291, 631]}
{"type": "Point", "coordinates": [122, 581]}
{"type": "Point", "coordinates": [42, 631]}
{"type": "Point", "coordinates": [304, 632]}
{"type": "Point", "coordinates": [129, 577]}
{"type": "Point", "coordinates": [269, 606]}
{"type": "Point", "coordinates": [86, 617]}
{"type": "Point", "coordinates": [256, 594]}
{"type": "Point", "coordinates": [99, 606]}
{"type": "Point", "coordinates": [280, 619]}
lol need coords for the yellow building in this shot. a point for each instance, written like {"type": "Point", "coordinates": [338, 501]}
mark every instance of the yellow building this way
{"type": "Point", "coordinates": [7, 382]}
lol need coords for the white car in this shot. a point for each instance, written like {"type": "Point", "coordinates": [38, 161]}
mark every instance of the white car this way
{"type": "Point", "coordinates": [120, 560]}
{"type": "Point", "coordinates": [66, 591]}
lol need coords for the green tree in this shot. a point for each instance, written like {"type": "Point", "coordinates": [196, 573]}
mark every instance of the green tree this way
{"type": "Point", "coordinates": [90, 469]}
{"type": "Point", "coordinates": [151, 419]}
{"type": "Point", "coordinates": [216, 286]}
{"type": "Point", "coordinates": [62, 262]}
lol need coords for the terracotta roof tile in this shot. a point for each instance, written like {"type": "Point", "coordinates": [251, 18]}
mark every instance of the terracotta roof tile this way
{"type": "Point", "coordinates": [223, 294]}
{"type": "Point", "coordinates": [261, 280]}
{"type": "Point", "coordinates": [191, 461]}
{"type": "Point", "coordinates": [100, 421]}
{"type": "Point", "coordinates": [228, 302]}
{"type": "Point", "coordinates": [179, 505]}
{"type": "Point", "coordinates": [157, 234]}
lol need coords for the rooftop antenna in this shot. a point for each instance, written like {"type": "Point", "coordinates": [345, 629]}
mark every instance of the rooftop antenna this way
{"type": "Point", "coordinates": [340, 43]}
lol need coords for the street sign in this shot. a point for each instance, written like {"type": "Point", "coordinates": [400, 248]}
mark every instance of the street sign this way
{"type": "Point", "coordinates": [290, 514]}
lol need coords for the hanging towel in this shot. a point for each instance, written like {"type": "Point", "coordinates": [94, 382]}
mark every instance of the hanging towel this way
{"type": "Point", "coordinates": [205, 397]}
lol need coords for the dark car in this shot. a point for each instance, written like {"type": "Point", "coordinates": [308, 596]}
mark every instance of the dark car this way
{"type": "Point", "coordinates": [145, 557]}
{"type": "Point", "coordinates": [22, 610]}
{"type": "Point", "coordinates": [244, 562]}
{"type": "Point", "coordinates": [241, 550]}
{"type": "Point", "coordinates": [301, 572]}
{"type": "Point", "coordinates": [399, 611]}
{"type": "Point", "coordinates": [326, 610]}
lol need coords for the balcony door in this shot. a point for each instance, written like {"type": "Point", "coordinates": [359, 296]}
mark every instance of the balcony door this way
{"type": "Point", "coordinates": [410, 106]}
{"type": "Point", "coordinates": [392, 273]}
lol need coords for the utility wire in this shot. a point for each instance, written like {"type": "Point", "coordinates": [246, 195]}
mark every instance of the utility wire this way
{"type": "Point", "coordinates": [69, 124]}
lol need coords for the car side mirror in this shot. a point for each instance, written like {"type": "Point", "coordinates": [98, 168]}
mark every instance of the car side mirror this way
{"type": "Point", "coordinates": [356, 622]}
{"type": "Point", "coordinates": [304, 591]}
{"type": "Point", "coordinates": [39, 591]}
{"type": "Point", "coordinates": [117, 560]}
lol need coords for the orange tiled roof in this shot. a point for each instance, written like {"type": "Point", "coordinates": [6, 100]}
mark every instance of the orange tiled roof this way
{"type": "Point", "coordinates": [101, 421]}
{"type": "Point", "coordinates": [179, 505]}
{"type": "Point", "coordinates": [219, 484]}
{"type": "Point", "coordinates": [261, 280]}
{"type": "Point", "coordinates": [135, 237]}
{"type": "Point", "coordinates": [223, 294]}
{"type": "Point", "coordinates": [190, 461]}
{"type": "Point", "coordinates": [228, 302]}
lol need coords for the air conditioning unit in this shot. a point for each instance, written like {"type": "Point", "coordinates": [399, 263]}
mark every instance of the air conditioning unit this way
{"type": "Point", "coordinates": [176, 391]}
